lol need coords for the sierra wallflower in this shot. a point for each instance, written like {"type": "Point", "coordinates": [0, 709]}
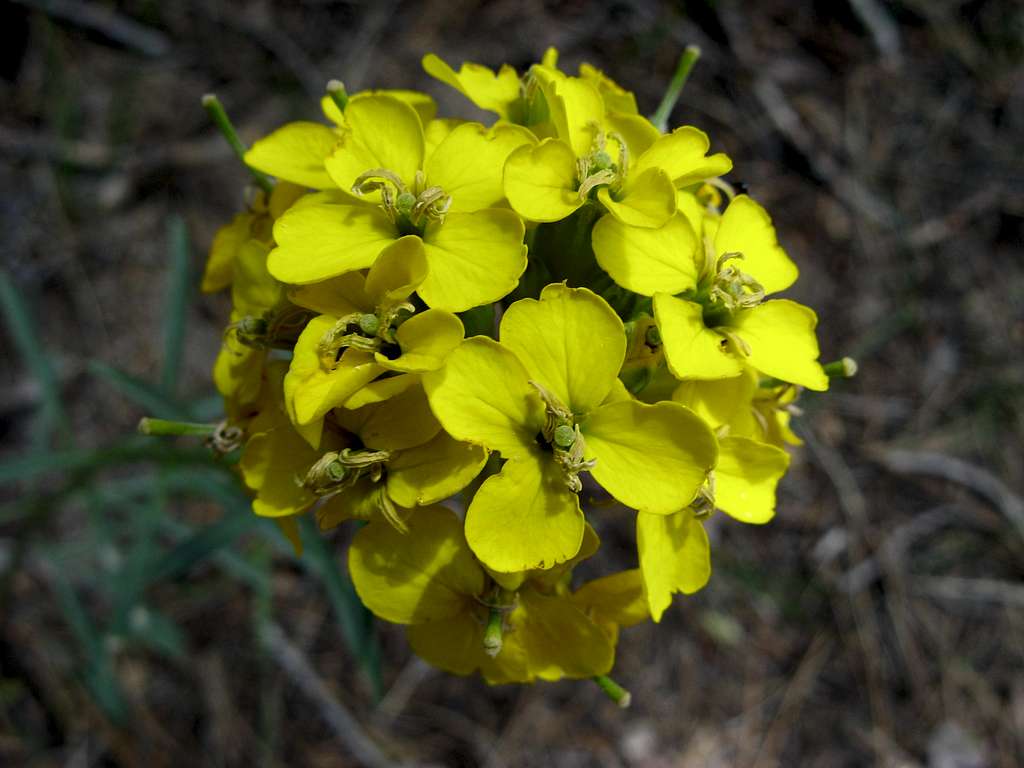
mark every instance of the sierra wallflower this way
{"type": "Point", "coordinates": [389, 188]}
{"type": "Point", "coordinates": [545, 398]}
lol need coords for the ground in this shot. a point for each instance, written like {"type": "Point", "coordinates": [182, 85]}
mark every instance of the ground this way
{"type": "Point", "coordinates": [877, 620]}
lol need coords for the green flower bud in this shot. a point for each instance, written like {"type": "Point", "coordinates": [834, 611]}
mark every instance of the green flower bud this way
{"type": "Point", "coordinates": [369, 324]}
{"type": "Point", "coordinates": [564, 436]}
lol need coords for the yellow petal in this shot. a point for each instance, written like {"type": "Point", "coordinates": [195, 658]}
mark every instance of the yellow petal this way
{"type": "Point", "coordinates": [432, 472]}
{"type": "Point", "coordinates": [357, 502]}
{"type": "Point", "coordinates": [237, 372]}
{"type": "Point", "coordinates": [382, 389]}
{"type": "Point", "coordinates": [401, 422]}
{"type": "Point", "coordinates": [647, 261]}
{"type": "Point", "coordinates": [295, 152]}
{"type": "Point", "coordinates": [674, 557]}
{"type": "Point", "coordinates": [692, 350]}
{"type": "Point", "coordinates": [782, 342]}
{"type": "Point", "coordinates": [524, 517]}
{"type": "Point", "coordinates": [454, 644]}
{"type": "Point", "coordinates": [682, 154]}
{"type": "Point", "coordinates": [270, 463]}
{"type": "Point", "coordinates": [437, 131]}
{"type": "Point", "coordinates": [616, 599]}
{"type": "Point", "coordinates": [482, 396]}
{"type": "Point", "coordinates": [746, 476]}
{"type": "Point", "coordinates": [337, 296]}
{"type": "Point", "coordinates": [384, 132]}
{"type": "Point", "coordinates": [468, 164]}
{"type": "Point", "coordinates": [397, 272]}
{"type": "Point", "coordinates": [312, 390]}
{"type": "Point", "coordinates": [570, 341]}
{"type": "Point", "coordinates": [424, 105]}
{"type": "Point", "coordinates": [649, 199]}
{"type": "Point", "coordinates": [575, 105]}
{"type": "Point", "coordinates": [560, 639]}
{"type": "Point", "coordinates": [649, 457]}
{"type": "Point", "coordinates": [717, 401]}
{"type": "Point", "coordinates": [220, 264]}
{"type": "Point", "coordinates": [253, 290]}
{"type": "Point", "coordinates": [558, 576]}
{"type": "Point", "coordinates": [616, 98]}
{"type": "Point", "coordinates": [426, 339]}
{"type": "Point", "coordinates": [423, 575]}
{"type": "Point", "coordinates": [283, 196]}
{"type": "Point", "coordinates": [474, 258]}
{"type": "Point", "coordinates": [540, 181]}
{"type": "Point", "coordinates": [747, 228]}
{"type": "Point", "coordinates": [489, 91]}
{"type": "Point", "coordinates": [317, 242]}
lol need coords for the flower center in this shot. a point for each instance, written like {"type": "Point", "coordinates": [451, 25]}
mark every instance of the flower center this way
{"type": "Point", "coordinates": [598, 168]}
{"type": "Point", "coordinates": [410, 209]}
{"type": "Point", "coordinates": [562, 435]}
{"type": "Point", "coordinates": [367, 331]}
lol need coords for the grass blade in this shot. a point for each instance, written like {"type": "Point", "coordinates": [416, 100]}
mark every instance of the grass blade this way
{"type": "Point", "coordinates": [176, 308]}
{"type": "Point", "coordinates": [153, 400]}
{"type": "Point", "coordinates": [22, 327]}
{"type": "Point", "coordinates": [355, 621]}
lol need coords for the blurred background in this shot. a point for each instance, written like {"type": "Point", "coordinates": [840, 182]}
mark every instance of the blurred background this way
{"type": "Point", "coordinates": [148, 619]}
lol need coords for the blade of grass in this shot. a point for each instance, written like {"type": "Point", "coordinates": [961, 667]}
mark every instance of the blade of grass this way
{"type": "Point", "coordinates": [354, 620]}
{"type": "Point", "coordinates": [98, 675]}
{"type": "Point", "coordinates": [152, 399]}
{"type": "Point", "coordinates": [176, 308]}
{"type": "Point", "coordinates": [22, 329]}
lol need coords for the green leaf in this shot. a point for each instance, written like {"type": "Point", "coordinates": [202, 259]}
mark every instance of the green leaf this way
{"type": "Point", "coordinates": [176, 308]}
{"type": "Point", "coordinates": [199, 546]}
{"type": "Point", "coordinates": [153, 400]}
{"type": "Point", "coordinates": [22, 329]}
{"type": "Point", "coordinates": [98, 674]}
{"type": "Point", "coordinates": [355, 621]}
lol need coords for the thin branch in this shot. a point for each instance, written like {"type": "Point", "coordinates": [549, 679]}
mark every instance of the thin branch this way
{"type": "Point", "coordinates": [345, 726]}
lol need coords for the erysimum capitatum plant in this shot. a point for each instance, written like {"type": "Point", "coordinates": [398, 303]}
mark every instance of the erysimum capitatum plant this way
{"type": "Point", "coordinates": [463, 335]}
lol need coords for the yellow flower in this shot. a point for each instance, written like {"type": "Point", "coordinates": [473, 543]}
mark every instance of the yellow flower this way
{"type": "Point", "coordinates": [428, 579]}
{"type": "Point", "coordinates": [619, 159]}
{"type": "Point", "coordinates": [503, 92]}
{"type": "Point", "coordinates": [390, 189]}
{"type": "Point", "coordinates": [548, 399]}
{"type": "Point", "coordinates": [368, 327]}
{"type": "Point", "coordinates": [254, 224]}
{"type": "Point", "coordinates": [674, 552]}
{"type": "Point", "coordinates": [719, 321]}
{"type": "Point", "coordinates": [296, 151]}
{"type": "Point", "coordinates": [742, 407]}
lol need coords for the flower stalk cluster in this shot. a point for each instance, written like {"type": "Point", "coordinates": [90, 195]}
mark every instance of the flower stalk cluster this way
{"type": "Point", "coordinates": [462, 334]}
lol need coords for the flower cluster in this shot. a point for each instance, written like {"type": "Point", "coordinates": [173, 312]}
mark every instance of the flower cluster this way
{"type": "Point", "coordinates": [481, 340]}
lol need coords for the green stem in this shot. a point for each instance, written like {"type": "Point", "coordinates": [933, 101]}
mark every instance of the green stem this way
{"type": "Point", "coordinates": [220, 118]}
{"type": "Point", "coordinates": [675, 88]}
{"type": "Point", "coordinates": [149, 426]}
{"type": "Point", "coordinates": [614, 691]}
{"type": "Point", "coordinates": [492, 634]}
{"type": "Point", "coordinates": [336, 90]}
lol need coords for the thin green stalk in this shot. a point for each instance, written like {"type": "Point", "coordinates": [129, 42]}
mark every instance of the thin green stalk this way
{"type": "Point", "coordinates": [220, 118]}
{"type": "Point", "coordinates": [614, 691]}
{"type": "Point", "coordinates": [151, 426]}
{"type": "Point", "coordinates": [675, 87]}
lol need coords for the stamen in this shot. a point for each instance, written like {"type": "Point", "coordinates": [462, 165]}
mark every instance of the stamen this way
{"type": "Point", "coordinates": [563, 435]}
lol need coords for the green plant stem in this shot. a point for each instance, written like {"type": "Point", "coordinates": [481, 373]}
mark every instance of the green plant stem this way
{"type": "Point", "coordinates": [675, 87]}
{"type": "Point", "coordinates": [220, 118]}
{"type": "Point", "coordinates": [614, 691]}
{"type": "Point", "coordinates": [150, 426]}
